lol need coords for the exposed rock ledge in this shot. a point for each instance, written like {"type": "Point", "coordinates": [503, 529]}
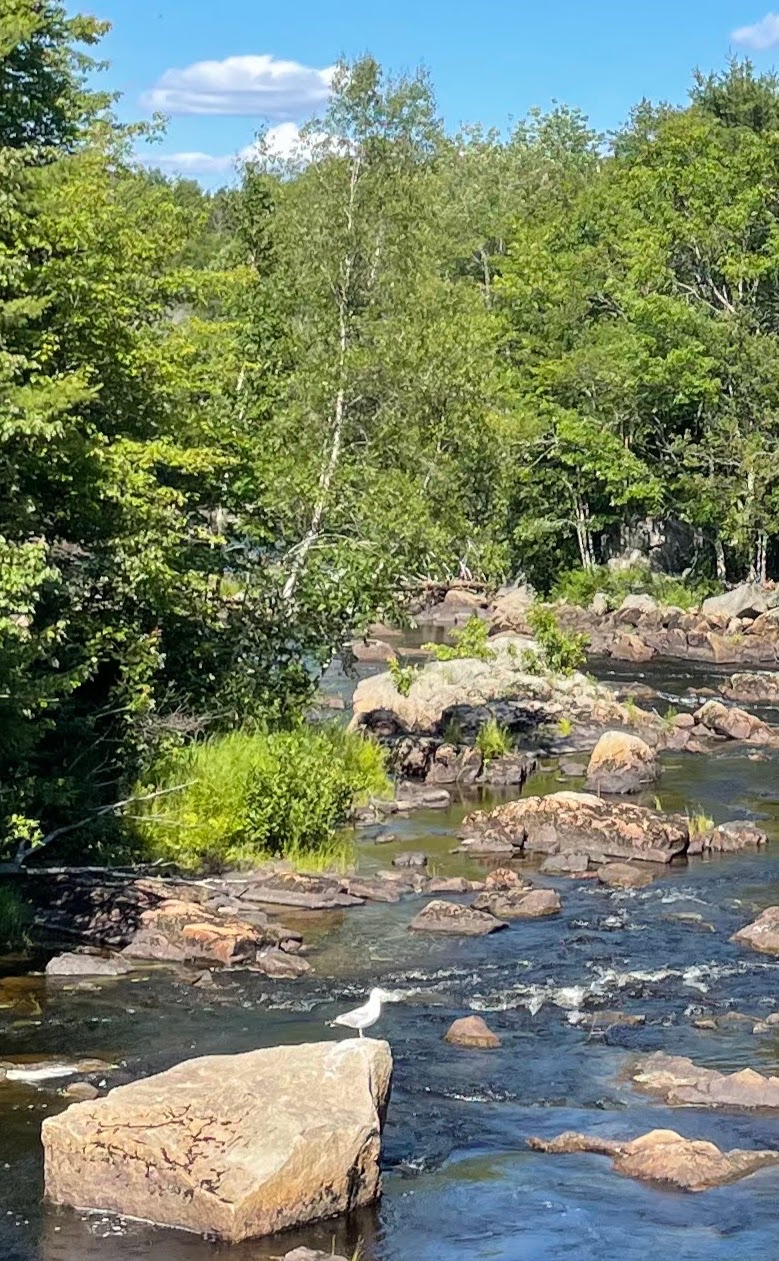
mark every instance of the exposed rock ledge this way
{"type": "Point", "coordinates": [664, 1156]}
{"type": "Point", "coordinates": [235, 1146]}
{"type": "Point", "coordinates": [681, 1082]}
{"type": "Point", "coordinates": [578, 823]}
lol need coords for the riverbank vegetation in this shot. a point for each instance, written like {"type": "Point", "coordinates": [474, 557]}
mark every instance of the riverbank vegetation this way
{"type": "Point", "coordinates": [234, 426]}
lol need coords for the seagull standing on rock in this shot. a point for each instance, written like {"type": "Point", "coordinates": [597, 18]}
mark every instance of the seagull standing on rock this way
{"type": "Point", "coordinates": [365, 1016]}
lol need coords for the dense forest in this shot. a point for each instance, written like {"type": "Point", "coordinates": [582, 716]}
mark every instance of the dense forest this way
{"type": "Point", "coordinates": [234, 426]}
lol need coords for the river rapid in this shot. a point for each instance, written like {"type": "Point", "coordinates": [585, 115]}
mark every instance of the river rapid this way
{"type": "Point", "coordinates": [460, 1182]}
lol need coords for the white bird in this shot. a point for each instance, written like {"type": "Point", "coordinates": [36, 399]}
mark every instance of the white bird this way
{"type": "Point", "coordinates": [365, 1016]}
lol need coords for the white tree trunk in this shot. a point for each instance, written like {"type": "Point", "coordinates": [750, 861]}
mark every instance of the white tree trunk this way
{"type": "Point", "coordinates": [719, 560]}
{"type": "Point", "coordinates": [333, 454]}
{"type": "Point", "coordinates": [583, 534]}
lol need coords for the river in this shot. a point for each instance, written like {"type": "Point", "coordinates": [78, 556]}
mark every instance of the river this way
{"type": "Point", "coordinates": [460, 1183]}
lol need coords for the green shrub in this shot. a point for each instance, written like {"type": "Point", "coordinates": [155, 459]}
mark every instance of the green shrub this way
{"type": "Point", "coordinates": [579, 586]}
{"type": "Point", "coordinates": [402, 676]}
{"type": "Point", "coordinates": [564, 727]}
{"type": "Point", "coordinates": [494, 740]}
{"type": "Point", "coordinates": [471, 641]}
{"type": "Point", "coordinates": [14, 920]}
{"type": "Point", "coordinates": [562, 653]}
{"type": "Point", "coordinates": [234, 799]}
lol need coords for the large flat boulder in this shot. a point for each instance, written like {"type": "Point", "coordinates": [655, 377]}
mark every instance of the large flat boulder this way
{"type": "Point", "coordinates": [579, 823]}
{"type": "Point", "coordinates": [681, 1082]}
{"type": "Point", "coordinates": [666, 1157]}
{"type": "Point", "coordinates": [752, 686]}
{"type": "Point", "coordinates": [621, 763]}
{"type": "Point", "coordinates": [747, 600]}
{"type": "Point", "coordinates": [234, 1146]}
{"type": "Point", "coordinates": [469, 691]}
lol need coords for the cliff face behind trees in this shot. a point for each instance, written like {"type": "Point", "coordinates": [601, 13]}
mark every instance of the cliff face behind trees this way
{"type": "Point", "coordinates": [231, 425]}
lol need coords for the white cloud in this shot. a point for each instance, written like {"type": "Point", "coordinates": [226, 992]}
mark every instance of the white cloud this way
{"type": "Point", "coordinates": [260, 86]}
{"type": "Point", "coordinates": [761, 36]}
{"type": "Point", "coordinates": [283, 141]}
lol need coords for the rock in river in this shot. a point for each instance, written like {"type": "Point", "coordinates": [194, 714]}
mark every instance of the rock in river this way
{"type": "Point", "coordinates": [621, 763]}
{"type": "Point", "coordinates": [665, 1156]}
{"type": "Point", "coordinates": [472, 1031]}
{"type": "Point", "coordinates": [579, 823]}
{"type": "Point", "coordinates": [76, 964]}
{"type": "Point", "coordinates": [449, 917]}
{"type": "Point", "coordinates": [763, 933]}
{"type": "Point", "coordinates": [624, 876]}
{"type": "Point", "coordinates": [235, 1146]}
{"type": "Point", "coordinates": [520, 903]}
{"type": "Point", "coordinates": [679, 1081]}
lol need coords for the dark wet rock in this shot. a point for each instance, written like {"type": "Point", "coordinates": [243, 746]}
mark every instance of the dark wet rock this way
{"type": "Point", "coordinates": [624, 876]}
{"type": "Point", "coordinates": [450, 917]}
{"type": "Point", "coordinates": [472, 1031]}
{"type": "Point", "coordinates": [411, 757]}
{"type": "Point", "coordinates": [233, 1146]}
{"type": "Point", "coordinates": [81, 1090]}
{"type": "Point", "coordinates": [578, 823]}
{"type": "Point", "coordinates": [734, 723]}
{"type": "Point", "coordinates": [621, 763]}
{"type": "Point", "coordinates": [520, 904]}
{"type": "Point", "coordinates": [679, 1082]}
{"type": "Point", "coordinates": [411, 858]}
{"type": "Point", "coordinates": [567, 864]}
{"type": "Point", "coordinates": [88, 965]}
{"type": "Point", "coordinates": [452, 765]}
{"type": "Point", "coordinates": [453, 884]}
{"type": "Point", "coordinates": [292, 888]}
{"type": "Point", "coordinates": [763, 933]}
{"type": "Point", "coordinates": [663, 1156]}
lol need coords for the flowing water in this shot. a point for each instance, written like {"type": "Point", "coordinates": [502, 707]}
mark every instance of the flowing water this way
{"type": "Point", "coordinates": [460, 1182]}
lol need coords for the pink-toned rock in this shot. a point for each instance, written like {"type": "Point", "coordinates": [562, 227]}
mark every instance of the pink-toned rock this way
{"type": "Point", "coordinates": [460, 921]}
{"type": "Point", "coordinates": [233, 1146]}
{"type": "Point", "coordinates": [632, 648]}
{"type": "Point", "coordinates": [763, 933]}
{"type": "Point", "coordinates": [666, 1157]}
{"type": "Point", "coordinates": [734, 723]}
{"type": "Point", "coordinates": [472, 1031]}
{"type": "Point", "coordinates": [681, 1082]}
{"type": "Point", "coordinates": [580, 823]}
{"type": "Point", "coordinates": [520, 904]}
{"type": "Point", "coordinates": [621, 763]}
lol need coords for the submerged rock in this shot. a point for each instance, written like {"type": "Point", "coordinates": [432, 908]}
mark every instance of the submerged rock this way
{"type": "Point", "coordinates": [624, 876]}
{"type": "Point", "coordinates": [579, 823]}
{"type": "Point", "coordinates": [449, 917]}
{"type": "Point", "coordinates": [621, 763]}
{"type": "Point", "coordinates": [679, 1081]}
{"type": "Point", "coordinates": [472, 1031]}
{"type": "Point", "coordinates": [666, 1157]}
{"type": "Point", "coordinates": [234, 1146]}
{"type": "Point", "coordinates": [311, 1254]}
{"type": "Point", "coordinates": [763, 933]}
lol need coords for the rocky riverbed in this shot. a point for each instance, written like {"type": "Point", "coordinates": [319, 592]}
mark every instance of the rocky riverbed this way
{"type": "Point", "coordinates": [577, 1003]}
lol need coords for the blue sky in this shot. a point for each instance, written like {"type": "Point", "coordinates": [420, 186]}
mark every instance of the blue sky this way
{"type": "Point", "coordinates": [490, 59]}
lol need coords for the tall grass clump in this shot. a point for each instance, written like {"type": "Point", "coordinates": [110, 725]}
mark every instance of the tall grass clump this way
{"type": "Point", "coordinates": [14, 921]}
{"type": "Point", "coordinates": [234, 799]}
{"type": "Point", "coordinates": [494, 740]}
